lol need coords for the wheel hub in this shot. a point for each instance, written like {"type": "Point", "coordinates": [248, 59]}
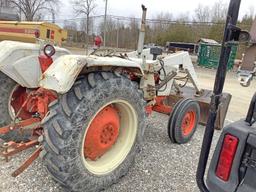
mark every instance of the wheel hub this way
{"type": "Point", "coordinates": [188, 122]}
{"type": "Point", "coordinates": [102, 133]}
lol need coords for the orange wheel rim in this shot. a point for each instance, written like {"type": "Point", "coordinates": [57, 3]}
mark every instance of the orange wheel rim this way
{"type": "Point", "coordinates": [188, 123]}
{"type": "Point", "coordinates": [102, 133]}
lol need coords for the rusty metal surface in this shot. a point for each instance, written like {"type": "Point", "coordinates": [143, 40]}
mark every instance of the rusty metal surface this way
{"type": "Point", "coordinates": [31, 124]}
{"type": "Point", "coordinates": [161, 106]}
{"type": "Point", "coordinates": [204, 101]}
{"type": "Point", "coordinates": [27, 162]}
{"type": "Point", "coordinates": [142, 32]}
{"type": "Point", "coordinates": [250, 53]}
{"type": "Point", "coordinates": [249, 59]}
{"type": "Point", "coordinates": [253, 32]}
{"type": "Point", "coordinates": [11, 148]}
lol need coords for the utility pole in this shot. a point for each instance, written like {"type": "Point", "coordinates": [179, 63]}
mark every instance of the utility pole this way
{"type": "Point", "coordinates": [105, 23]}
{"type": "Point", "coordinates": [53, 15]}
{"type": "Point", "coordinates": [117, 35]}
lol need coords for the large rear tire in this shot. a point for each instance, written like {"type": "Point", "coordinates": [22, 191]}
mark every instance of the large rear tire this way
{"type": "Point", "coordinates": [6, 116]}
{"type": "Point", "coordinates": [76, 122]}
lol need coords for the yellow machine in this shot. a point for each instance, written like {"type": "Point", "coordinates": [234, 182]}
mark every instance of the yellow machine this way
{"type": "Point", "coordinates": [29, 31]}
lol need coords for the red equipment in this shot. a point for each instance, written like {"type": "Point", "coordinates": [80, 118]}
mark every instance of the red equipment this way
{"type": "Point", "coordinates": [30, 106]}
{"type": "Point", "coordinates": [102, 133]}
{"type": "Point", "coordinates": [97, 41]}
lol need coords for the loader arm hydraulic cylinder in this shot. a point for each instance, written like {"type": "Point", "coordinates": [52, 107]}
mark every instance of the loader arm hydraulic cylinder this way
{"type": "Point", "coordinates": [230, 28]}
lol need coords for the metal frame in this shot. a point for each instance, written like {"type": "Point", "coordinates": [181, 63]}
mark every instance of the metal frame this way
{"type": "Point", "coordinates": [32, 126]}
{"type": "Point", "coordinates": [229, 35]}
{"type": "Point", "coordinates": [251, 116]}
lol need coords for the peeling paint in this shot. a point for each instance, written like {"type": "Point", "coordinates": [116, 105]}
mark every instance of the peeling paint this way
{"type": "Point", "coordinates": [65, 69]}
{"type": "Point", "coordinates": [20, 62]}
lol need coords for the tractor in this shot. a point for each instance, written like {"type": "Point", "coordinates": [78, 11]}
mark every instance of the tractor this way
{"type": "Point", "coordinates": [87, 113]}
{"type": "Point", "coordinates": [232, 167]}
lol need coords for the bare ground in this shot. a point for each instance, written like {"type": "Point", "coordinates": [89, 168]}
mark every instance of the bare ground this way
{"type": "Point", "coordinates": [241, 96]}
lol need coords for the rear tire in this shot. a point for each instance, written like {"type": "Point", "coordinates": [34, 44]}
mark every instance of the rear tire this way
{"type": "Point", "coordinates": [67, 124]}
{"type": "Point", "coordinates": [183, 121]}
{"type": "Point", "coordinates": [6, 89]}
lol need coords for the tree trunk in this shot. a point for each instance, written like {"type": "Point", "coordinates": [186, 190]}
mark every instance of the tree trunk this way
{"type": "Point", "coordinates": [87, 33]}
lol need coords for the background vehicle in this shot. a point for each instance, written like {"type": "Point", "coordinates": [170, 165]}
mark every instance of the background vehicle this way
{"type": "Point", "coordinates": [30, 32]}
{"type": "Point", "coordinates": [232, 168]}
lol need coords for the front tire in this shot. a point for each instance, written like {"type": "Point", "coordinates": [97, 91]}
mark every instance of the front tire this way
{"type": "Point", "coordinates": [78, 116]}
{"type": "Point", "coordinates": [183, 121]}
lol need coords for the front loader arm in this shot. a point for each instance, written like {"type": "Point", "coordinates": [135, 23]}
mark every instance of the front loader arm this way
{"type": "Point", "coordinates": [173, 62]}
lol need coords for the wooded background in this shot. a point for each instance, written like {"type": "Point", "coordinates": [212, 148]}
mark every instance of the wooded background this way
{"type": "Point", "coordinates": [123, 32]}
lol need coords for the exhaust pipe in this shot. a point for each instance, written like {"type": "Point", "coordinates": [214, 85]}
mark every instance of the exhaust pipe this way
{"type": "Point", "coordinates": [142, 32]}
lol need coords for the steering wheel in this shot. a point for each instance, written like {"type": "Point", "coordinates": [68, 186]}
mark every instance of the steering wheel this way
{"type": "Point", "coordinates": [104, 52]}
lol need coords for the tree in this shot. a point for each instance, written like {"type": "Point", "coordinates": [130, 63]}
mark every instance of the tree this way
{"type": "Point", "coordinates": [202, 14]}
{"type": "Point", "coordinates": [32, 9]}
{"type": "Point", "coordinates": [111, 31]}
{"type": "Point", "coordinates": [86, 8]}
{"type": "Point", "coordinates": [247, 19]}
{"type": "Point", "coordinates": [4, 3]}
{"type": "Point", "coordinates": [219, 11]}
{"type": "Point", "coordinates": [71, 27]}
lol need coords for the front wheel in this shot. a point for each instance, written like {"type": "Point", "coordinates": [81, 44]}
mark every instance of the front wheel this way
{"type": "Point", "coordinates": [183, 121]}
{"type": "Point", "coordinates": [93, 133]}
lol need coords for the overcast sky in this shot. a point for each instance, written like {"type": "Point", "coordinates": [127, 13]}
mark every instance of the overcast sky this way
{"type": "Point", "coordinates": [132, 7]}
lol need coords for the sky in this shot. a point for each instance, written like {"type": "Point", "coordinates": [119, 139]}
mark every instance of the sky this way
{"type": "Point", "coordinates": [132, 7]}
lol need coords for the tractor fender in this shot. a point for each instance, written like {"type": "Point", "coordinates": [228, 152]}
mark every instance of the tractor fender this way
{"type": "Point", "coordinates": [62, 74]}
{"type": "Point", "coordinates": [19, 61]}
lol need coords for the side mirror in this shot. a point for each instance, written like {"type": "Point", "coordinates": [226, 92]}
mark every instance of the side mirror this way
{"type": "Point", "coordinates": [241, 36]}
{"type": "Point", "coordinates": [244, 36]}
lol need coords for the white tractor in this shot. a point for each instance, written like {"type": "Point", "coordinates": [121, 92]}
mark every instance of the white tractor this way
{"type": "Point", "coordinates": [87, 113]}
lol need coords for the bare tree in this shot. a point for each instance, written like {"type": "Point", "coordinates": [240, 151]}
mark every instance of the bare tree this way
{"type": "Point", "coordinates": [219, 11]}
{"type": "Point", "coordinates": [251, 11]}
{"type": "Point", "coordinates": [202, 14]}
{"type": "Point", "coordinates": [86, 8]}
{"type": "Point", "coordinates": [32, 9]}
{"type": "Point", "coordinates": [4, 3]}
{"type": "Point", "coordinates": [71, 27]}
{"type": "Point", "coordinates": [162, 18]}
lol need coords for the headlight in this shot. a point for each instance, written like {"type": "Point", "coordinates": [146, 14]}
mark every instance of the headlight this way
{"type": "Point", "coordinates": [49, 50]}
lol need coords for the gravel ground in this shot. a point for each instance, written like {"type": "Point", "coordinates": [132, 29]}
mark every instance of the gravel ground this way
{"type": "Point", "coordinates": [161, 166]}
